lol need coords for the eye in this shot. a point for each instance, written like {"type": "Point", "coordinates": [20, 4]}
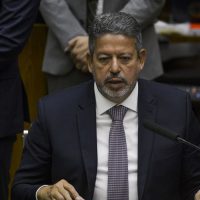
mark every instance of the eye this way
{"type": "Point", "coordinates": [125, 58]}
{"type": "Point", "coordinates": [103, 59]}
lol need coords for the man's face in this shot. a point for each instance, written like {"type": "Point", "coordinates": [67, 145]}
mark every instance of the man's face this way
{"type": "Point", "coordinates": [115, 65]}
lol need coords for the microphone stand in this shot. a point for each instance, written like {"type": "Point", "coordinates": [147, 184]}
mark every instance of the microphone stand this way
{"type": "Point", "coordinates": [181, 140]}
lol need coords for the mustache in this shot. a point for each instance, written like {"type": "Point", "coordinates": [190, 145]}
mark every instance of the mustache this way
{"type": "Point", "coordinates": [118, 76]}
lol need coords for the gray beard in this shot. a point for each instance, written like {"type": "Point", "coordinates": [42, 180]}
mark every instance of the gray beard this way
{"type": "Point", "coordinates": [116, 96]}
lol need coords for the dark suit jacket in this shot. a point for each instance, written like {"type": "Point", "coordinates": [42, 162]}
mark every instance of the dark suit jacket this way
{"type": "Point", "coordinates": [16, 19]}
{"type": "Point", "coordinates": [62, 145]}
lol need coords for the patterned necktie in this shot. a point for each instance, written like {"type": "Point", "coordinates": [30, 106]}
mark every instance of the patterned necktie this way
{"type": "Point", "coordinates": [117, 158]}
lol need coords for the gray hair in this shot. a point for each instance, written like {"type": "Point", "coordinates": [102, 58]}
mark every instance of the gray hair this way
{"type": "Point", "coordinates": [114, 23]}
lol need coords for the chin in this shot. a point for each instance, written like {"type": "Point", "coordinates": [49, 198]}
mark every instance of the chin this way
{"type": "Point", "coordinates": [115, 96]}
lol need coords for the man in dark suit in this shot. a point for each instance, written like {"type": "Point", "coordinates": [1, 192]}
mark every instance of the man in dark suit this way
{"type": "Point", "coordinates": [66, 151]}
{"type": "Point", "coordinates": [16, 19]}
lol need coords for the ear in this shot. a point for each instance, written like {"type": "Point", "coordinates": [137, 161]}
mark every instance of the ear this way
{"type": "Point", "coordinates": [142, 58]}
{"type": "Point", "coordinates": [89, 61]}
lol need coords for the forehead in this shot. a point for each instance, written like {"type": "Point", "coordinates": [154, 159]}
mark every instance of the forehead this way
{"type": "Point", "coordinates": [108, 42]}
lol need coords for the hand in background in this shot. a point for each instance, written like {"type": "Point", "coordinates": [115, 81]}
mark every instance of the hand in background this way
{"type": "Point", "coordinates": [78, 48]}
{"type": "Point", "coordinates": [197, 196]}
{"type": "Point", "coordinates": [61, 190]}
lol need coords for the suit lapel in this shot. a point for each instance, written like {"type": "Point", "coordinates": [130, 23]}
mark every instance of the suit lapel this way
{"type": "Point", "coordinates": [86, 118]}
{"type": "Point", "coordinates": [146, 110]}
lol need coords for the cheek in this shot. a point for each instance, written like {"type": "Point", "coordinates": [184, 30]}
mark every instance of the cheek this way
{"type": "Point", "coordinates": [132, 74]}
{"type": "Point", "coordinates": [100, 75]}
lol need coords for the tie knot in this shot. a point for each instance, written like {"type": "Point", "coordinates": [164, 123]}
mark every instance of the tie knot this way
{"type": "Point", "coordinates": [117, 113]}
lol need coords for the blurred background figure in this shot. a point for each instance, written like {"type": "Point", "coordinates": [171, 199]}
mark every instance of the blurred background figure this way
{"type": "Point", "coordinates": [65, 62]}
{"type": "Point", "coordinates": [16, 19]}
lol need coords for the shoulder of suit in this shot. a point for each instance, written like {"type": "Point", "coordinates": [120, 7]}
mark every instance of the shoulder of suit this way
{"type": "Point", "coordinates": [71, 94]}
{"type": "Point", "coordinates": [161, 88]}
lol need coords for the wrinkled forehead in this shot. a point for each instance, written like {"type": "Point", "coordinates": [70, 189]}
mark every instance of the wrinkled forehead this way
{"type": "Point", "coordinates": [108, 40]}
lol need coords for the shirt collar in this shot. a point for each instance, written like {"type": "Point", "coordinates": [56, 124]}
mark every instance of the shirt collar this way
{"type": "Point", "coordinates": [103, 104]}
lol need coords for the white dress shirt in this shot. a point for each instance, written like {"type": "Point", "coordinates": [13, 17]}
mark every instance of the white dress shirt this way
{"type": "Point", "coordinates": [104, 121]}
{"type": "Point", "coordinates": [100, 7]}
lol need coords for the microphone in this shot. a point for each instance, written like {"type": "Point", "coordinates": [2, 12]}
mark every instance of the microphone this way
{"type": "Point", "coordinates": [167, 133]}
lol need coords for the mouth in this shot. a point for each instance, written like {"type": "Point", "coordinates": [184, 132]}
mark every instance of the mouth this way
{"type": "Point", "coordinates": [115, 83]}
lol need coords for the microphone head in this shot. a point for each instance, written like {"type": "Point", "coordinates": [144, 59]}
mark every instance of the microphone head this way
{"type": "Point", "coordinates": [160, 130]}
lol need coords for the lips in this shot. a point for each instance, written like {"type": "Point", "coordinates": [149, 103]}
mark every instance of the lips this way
{"type": "Point", "coordinates": [114, 80]}
{"type": "Point", "coordinates": [115, 83]}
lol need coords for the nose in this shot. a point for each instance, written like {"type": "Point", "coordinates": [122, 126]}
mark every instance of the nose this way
{"type": "Point", "coordinates": [114, 68]}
